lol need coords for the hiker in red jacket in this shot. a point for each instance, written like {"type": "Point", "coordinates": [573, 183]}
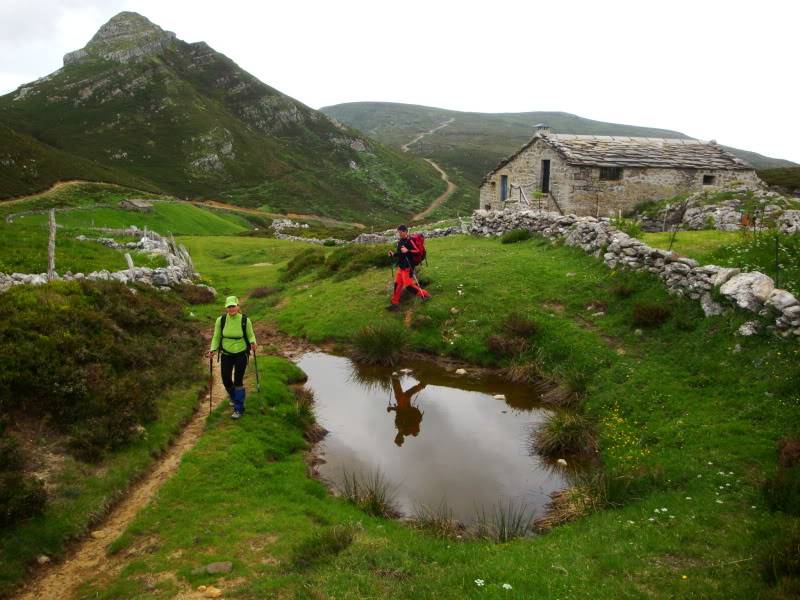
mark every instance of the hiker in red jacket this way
{"type": "Point", "coordinates": [408, 256]}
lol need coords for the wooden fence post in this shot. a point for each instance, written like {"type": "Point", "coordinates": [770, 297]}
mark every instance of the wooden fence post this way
{"type": "Point", "coordinates": [51, 247]}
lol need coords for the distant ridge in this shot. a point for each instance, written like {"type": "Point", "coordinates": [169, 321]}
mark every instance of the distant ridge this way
{"type": "Point", "coordinates": [474, 142]}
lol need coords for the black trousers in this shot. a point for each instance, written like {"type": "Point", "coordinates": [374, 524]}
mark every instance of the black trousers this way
{"type": "Point", "coordinates": [233, 365]}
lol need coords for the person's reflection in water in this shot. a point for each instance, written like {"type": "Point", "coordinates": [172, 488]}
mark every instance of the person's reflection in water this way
{"type": "Point", "coordinates": [407, 416]}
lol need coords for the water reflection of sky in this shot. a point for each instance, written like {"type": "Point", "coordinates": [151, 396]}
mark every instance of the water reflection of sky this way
{"type": "Point", "coordinates": [471, 449]}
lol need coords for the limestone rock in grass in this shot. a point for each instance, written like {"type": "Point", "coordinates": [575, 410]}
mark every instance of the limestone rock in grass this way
{"type": "Point", "coordinates": [748, 290]}
{"type": "Point", "coordinates": [780, 300]}
{"type": "Point", "coordinates": [461, 372]}
{"type": "Point", "coordinates": [42, 559]}
{"type": "Point", "coordinates": [219, 568]}
{"type": "Point", "coordinates": [723, 274]}
{"type": "Point", "coordinates": [710, 307]}
{"type": "Point", "coordinates": [749, 328]}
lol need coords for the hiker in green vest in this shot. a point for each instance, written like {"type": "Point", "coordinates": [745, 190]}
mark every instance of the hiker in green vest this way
{"type": "Point", "coordinates": [233, 339]}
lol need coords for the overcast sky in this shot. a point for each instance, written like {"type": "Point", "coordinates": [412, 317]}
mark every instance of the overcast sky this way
{"type": "Point", "coordinates": [723, 70]}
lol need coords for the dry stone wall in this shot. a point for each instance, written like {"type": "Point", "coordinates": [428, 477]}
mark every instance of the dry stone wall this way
{"type": "Point", "coordinates": [751, 291]}
{"type": "Point", "coordinates": [179, 269]}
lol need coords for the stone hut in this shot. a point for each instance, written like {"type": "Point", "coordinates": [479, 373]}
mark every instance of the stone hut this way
{"type": "Point", "coordinates": [601, 175]}
{"type": "Point", "coordinates": [136, 204]}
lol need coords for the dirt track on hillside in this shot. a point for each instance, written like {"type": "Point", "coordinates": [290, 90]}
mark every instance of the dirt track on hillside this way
{"type": "Point", "coordinates": [261, 213]}
{"type": "Point", "coordinates": [88, 559]}
{"type": "Point", "coordinates": [451, 187]}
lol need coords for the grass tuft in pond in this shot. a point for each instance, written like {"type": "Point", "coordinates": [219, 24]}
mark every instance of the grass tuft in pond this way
{"type": "Point", "coordinates": [504, 522]}
{"type": "Point", "coordinates": [382, 344]}
{"type": "Point", "coordinates": [523, 372]}
{"type": "Point", "coordinates": [372, 493]}
{"type": "Point", "coordinates": [438, 520]}
{"type": "Point", "coordinates": [563, 433]}
{"type": "Point", "coordinates": [323, 545]}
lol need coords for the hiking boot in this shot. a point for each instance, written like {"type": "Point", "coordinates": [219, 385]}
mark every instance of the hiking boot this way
{"type": "Point", "coordinates": [393, 308]}
{"type": "Point", "coordinates": [236, 414]}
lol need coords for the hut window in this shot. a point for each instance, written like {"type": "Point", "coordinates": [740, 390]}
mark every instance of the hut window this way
{"type": "Point", "coordinates": [503, 188]}
{"type": "Point", "coordinates": [610, 173]}
{"type": "Point", "coordinates": [709, 180]}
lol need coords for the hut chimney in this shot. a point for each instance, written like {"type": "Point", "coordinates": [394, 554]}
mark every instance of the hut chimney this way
{"type": "Point", "coordinates": [542, 129]}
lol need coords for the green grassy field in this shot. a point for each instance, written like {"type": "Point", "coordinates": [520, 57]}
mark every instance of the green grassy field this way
{"type": "Point", "coordinates": [24, 240]}
{"type": "Point", "coordinates": [687, 418]}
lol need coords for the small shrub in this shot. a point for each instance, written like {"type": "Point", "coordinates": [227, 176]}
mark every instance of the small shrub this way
{"type": "Point", "coordinates": [506, 347]}
{"type": "Point", "coordinates": [563, 433]}
{"type": "Point", "coordinates": [21, 496]}
{"type": "Point", "coordinates": [518, 325]}
{"type": "Point", "coordinates": [624, 284]}
{"type": "Point", "coordinates": [323, 545]}
{"type": "Point", "coordinates": [329, 243]}
{"type": "Point", "coordinates": [650, 314]}
{"type": "Point", "coordinates": [98, 353]}
{"type": "Point", "coordinates": [382, 344]}
{"type": "Point", "coordinates": [195, 294]}
{"type": "Point", "coordinates": [303, 262]}
{"type": "Point", "coordinates": [789, 452]}
{"type": "Point", "coordinates": [504, 522]}
{"type": "Point", "coordinates": [782, 490]}
{"type": "Point", "coordinates": [347, 261]}
{"type": "Point", "coordinates": [780, 558]}
{"type": "Point", "coordinates": [629, 226]}
{"type": "Point", "coordinates": [372, 493]}
{"type": "Point", "coordinates": [263, 292]}
{"type": "Point", "coordinates": [515, 235]}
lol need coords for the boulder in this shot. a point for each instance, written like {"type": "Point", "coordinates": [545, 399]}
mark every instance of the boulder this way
{"type": "Point", "coordinates": [780, 300]}
{"type": "Point", "coordinates": [748, 290]}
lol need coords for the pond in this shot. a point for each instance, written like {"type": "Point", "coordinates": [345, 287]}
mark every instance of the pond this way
{"type": "Point", "coordinates": [435, 436]}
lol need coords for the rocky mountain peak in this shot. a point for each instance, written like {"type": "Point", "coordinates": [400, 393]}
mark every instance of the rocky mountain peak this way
{"type": "Point", "coordinates": [126, 37]}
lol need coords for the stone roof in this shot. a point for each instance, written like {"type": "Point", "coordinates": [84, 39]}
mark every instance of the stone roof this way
{"type": "Point", "coordinates": [622, 151]}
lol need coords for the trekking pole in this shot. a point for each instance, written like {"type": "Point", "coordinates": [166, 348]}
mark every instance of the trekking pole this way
{"type": "Point", "coordinates": [210, 380]}
{"type": "Point", "coordinates": [258, 385]}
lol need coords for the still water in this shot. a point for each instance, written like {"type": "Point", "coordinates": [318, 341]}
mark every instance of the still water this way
{"type": "Point", "coordinates": [434, 435]}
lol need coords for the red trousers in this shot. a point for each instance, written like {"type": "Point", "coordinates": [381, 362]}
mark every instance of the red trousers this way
{"type": "Point", "coordinates": [402, 280]}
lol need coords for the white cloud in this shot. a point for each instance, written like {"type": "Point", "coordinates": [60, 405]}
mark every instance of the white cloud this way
{"type": "Point", "coordinates": [722, 70]}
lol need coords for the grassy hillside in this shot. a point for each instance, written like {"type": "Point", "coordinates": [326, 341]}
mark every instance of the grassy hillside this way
{"type": "Point", "coordinates": [28, 166]}
{"type": "Point", "coordinates": [787, 178]}
{"type": "Point", "coordinates": [474, 142]}
{"type": "Point", "coordinates": [189, 121]}
{"type": "Point", "coordinates": [686, 423]}
{"type": "Point", "coordinates": [23, 240]}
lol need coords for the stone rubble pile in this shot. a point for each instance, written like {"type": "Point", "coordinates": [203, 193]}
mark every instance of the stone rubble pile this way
{"type": "Point", "coordinates": [390, 235]}
{"type": "Point", "coordinates": [752, 291]}
{"type": "Point", "coordinates": [279, 224]}
{"type": "Point", "coordinates": [726, 215]}
{"type": "Point", "coordinates": [179, 269]}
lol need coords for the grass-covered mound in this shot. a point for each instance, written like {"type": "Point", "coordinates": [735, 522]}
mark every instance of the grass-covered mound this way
{"type": "Point", "coordinates": [98, 354]}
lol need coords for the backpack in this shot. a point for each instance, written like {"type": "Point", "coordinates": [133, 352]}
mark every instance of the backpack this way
{"type": "Point", "coordinates": [222, 331]}
{"type": "Point", "coordinates": [420, 254]}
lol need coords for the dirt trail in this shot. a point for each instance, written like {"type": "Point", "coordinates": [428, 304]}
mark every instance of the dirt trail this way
{"type": "Point", "coordinates": [57, 185]}
{"type": "Point", "coordinates": [261, 213]}
{"type": "Point", "coordinates": [451, 187]}
{"type": "Point", "coordinates": [404, 147]}
{"type": "Point", "coordinates": [88, 558]}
